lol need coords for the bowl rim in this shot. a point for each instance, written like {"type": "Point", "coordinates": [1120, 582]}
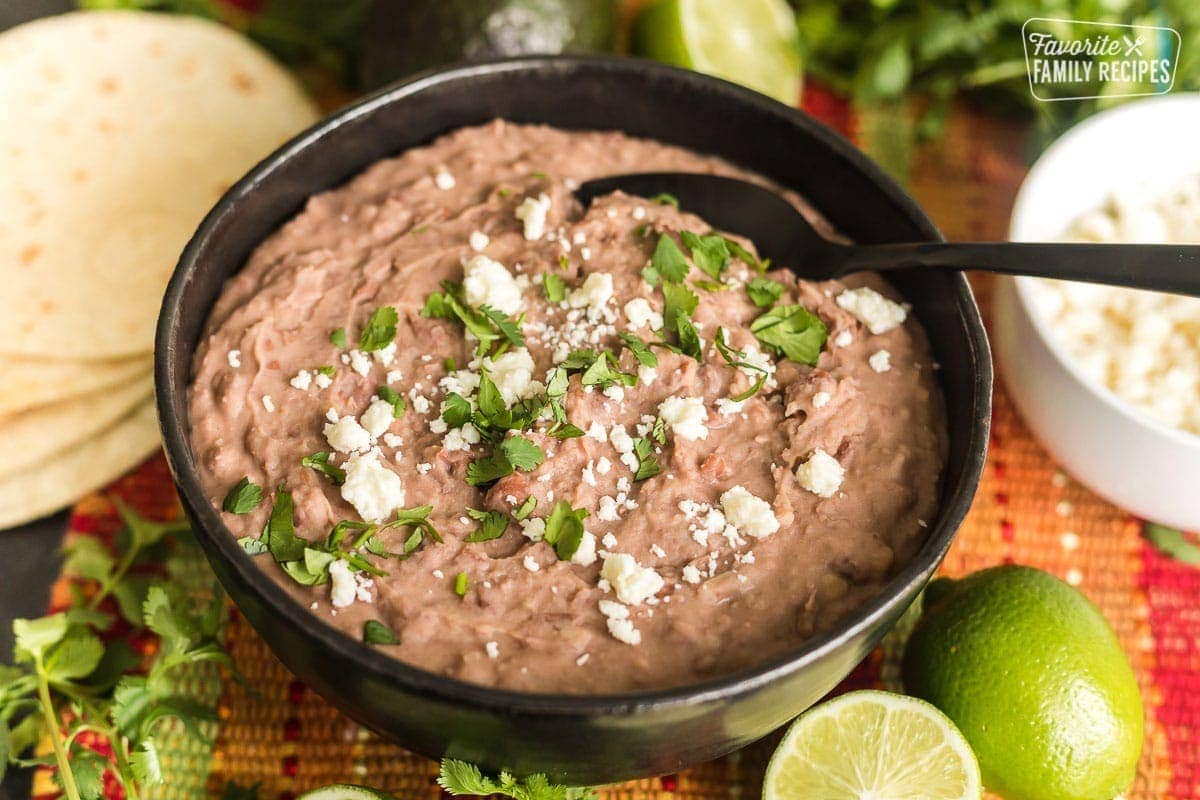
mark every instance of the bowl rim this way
{"type": "Point", "coordinates": [288, 611]}
{"type": "Point", "coordinates": [1094, 126]}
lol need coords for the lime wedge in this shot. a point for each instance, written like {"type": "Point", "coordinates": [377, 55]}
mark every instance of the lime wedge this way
{"type": "Point", "coordinates": [345, 791]}
{"type": "Point", "coordinates": [870, 746]}
{"type": "Point", "coordinates": [751, 42]}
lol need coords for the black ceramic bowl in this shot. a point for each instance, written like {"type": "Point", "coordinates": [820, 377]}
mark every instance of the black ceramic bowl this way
{"type": "Point", "coordinates": [594, 739]}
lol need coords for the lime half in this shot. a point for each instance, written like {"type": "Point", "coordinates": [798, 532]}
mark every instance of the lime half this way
{"type": "Point", "coordinates": [751, 42]}
{"type": "Point", "coordinates": [871, 746]}
{"type": "Point", "coordinates": [345, 791]}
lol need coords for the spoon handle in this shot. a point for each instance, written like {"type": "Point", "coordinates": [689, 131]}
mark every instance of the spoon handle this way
{"type": "Point", "coordinates": [1159, 267]}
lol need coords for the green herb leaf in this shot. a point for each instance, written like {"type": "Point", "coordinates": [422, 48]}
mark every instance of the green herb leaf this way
{"type": "Point", "coordinates": [380, 329]}
{"type": "Point", "coordinates": [526, 508]}
{"type": "Point", "coordinates": [680, 302]}
{"type": "Point", "coordinates": [555, 287]}
{"type": "Point", "coordinates": [746, 256]}
{"type": "Point", "coordinates": [689, 339]}
{"type": "Point", "coordinates": [668, 261]}
{"type": "Point", "coordinates": [640, 350]}
{"type": "Point", "coordinates": [564, 529]}
{"type": "Point", "coordinates": [763, 292]}
{"type": "Point", "coordinates": [390, 395]}
{"type": "Point", "coordinates": [509, 328]}
{"type": "Point", "coordinates": [1173, 543]}
{"type": "Point", "coordinates": [338, 337]}
{"type": "Point", "coordinates": [33, 637]}
{"type": "Point", "coordinates": [665, 199]}
{"type": "Point", "coordinates": [319, 461]}
{"type": "Point", "coordinates": [280, 534]}
{"type": "Point", "coordinates": [710, 253]}
{"type": "Point", "coordinates": [493, 524]}
{"type": "Point", "coordinates": [456, 410]}
{"type": "Point", "coordinates": [326, 370]}
{"type": "Point", "coordinates": [522, 453]}
{"type": "Point", "coordinates": [460, 584]}
{"type": "Point", "coordinates": [243, 498]}
{"type": "Point", "coordinates": [564, 430]}
{"type": "Point", "coordinates": [793, 331]}
{"type": "Point", "coordinates": [375, 632]}
{"type": "Point", "coordinates": [488, 397]}
{"type": "Point", "coordinates": [648, 465]}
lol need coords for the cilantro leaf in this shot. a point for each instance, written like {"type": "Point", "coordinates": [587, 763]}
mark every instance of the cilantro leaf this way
{"type": "Point", "coordinates": [745, 255]}
{"type": "Point", "coordinates": [753, 390]}
{"type": "Point", "coordinates": [710, 253]}
{"type": "Point", "coordinates": [509, 328]}
{"type": "Point", "coordinates": [375, 632]}
{"type": "Point", "coordinates": [487, 470]}
{"type": "Point", "coordinates": [665, 199]}
{"type": "Point", "coordinates": [488, 397]}
{"type": "Point", "coordinates": [493, 524]}
{"type": "Point", "coordinates": [390, 395]}
{"type": "Point", "coordinates": [648, 465]}
{"type": "Point", "coordinates": [461, 582]}
{"type": "Point", "coordinates": [555, 287]}
{"type": "Point", "coordinates": [380, 329]}
{"type": "Point", "coordinates": [689, 339]}
{"type": "Point", "coordinates": [456, 411]}
{"type": "Point", "coordinates": [525, 508]}
{"type": "Point", "coordinates": [668, 261]}
{"type": "Point", "coordinates": [564, 529]}
{"type": "Point", "coordinates": [522, 453]}
{"type": "Point", "coordinates": [763, 292]}
{"type": "Point", "coordinates": [280, 534]}
{"type": "Point", "coordinates": [603, 372]}
{"type": "Point", "coordinates": [680, 301]}
{"type": "Point", "coordinates": [640, 350]}
{"type": "Point", "coordinates": [319, 461]}
{"type": "Point", "coordinates": [564, 430]}
{"type": "Point", "coordinates": [338, 337]}
{"type": "Point", "coordinates": [793, 331]}
{"type": "Point", "coordinates": [243, 498]}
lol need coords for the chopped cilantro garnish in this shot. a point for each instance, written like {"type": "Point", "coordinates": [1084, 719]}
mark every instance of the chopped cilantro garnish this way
{"type": "Point", "coordinates": [793, 331]}
{"type": "Point", "coordinates": [488, 397]}
{"type": "Point", "coordinates": [680, 301]}
{"type": "Point", "coordinates": [668, 261]}
{"type": "Point", "coordinates": [640, 350]}
{"type": "Point", "coordinates": [709, 286]}
{"type": "Point", "coordinates": [243, 498]}
{"type": "Point", "coordinates": [486, 324]}
{"type": "Point", "coordinates": [525, 508]}
{"type": "Point", "coordinates": [647, 463]}
{"type": "Point", "coordinates": [710, 253]}
{"type": "Point", "coordinates": [763, 292]}
{"type": "Point", "coordinates": [522, 453]}
{"type": "Point", "coordinates": [515, 452]}
{"type": "Point", "coordinates": [380, 329]}
{"type": "Point", "coordinates": [509, 328]}
{"type": "Point", "coordinates": [325, 370]}
{"type": "Point", "coordinates": [641, 230]}
{"type": "Point", "coordinates": [599, 368]}
{"type": "Point", "coordinates": [737, 359]}
{"type": "Point", "coordinates": [460, 778]}
{"type": "Point", "coordinates": [745, 255]}
{"type": "Point", "coordinates": [375, 632]}
{"type": "Point", "coordinates": [541, 176]}
{"type": "Point", "coordinates": [659, 432]}
{"type": "Point", "coordinates": [450, 364]}
{"type": "Point", "coordinates": [564, 430]}
{"type": "Point", "coordinates": [753, 390]}
{"type": "Point", "coordinates": [338, 337]}
{"type": "Point", "coordinates": [555, 287]}
{"type": "Point", "coordinates": [319, 461]}
{"type": "Point", "coordinates": [504, 191]}
{"type": "Point", "coordinates": [689, 339]}
{"type": "Point", "coordinates": [564, 529]}
{"type": "Point", "coordinates": [492, 525]}
{"type": "Point", "coordinates": [460, 584]}
{"type": "Point", "coordinates": [564, 262]}
{"type": "Point", "coordinates": [665, 199]}
{"type": "Point", "coordinates": [390, 395]}
{"type": "Point", "coordinates": [280, 533]}
{"type": "Point", "coordinates": [456, 411]}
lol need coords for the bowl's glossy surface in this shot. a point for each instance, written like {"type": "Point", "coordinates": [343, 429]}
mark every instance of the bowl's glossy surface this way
{"type": "Point", "coordinates": [1109, 444]}
{"type": "Point", "coordinates": [590, 739]}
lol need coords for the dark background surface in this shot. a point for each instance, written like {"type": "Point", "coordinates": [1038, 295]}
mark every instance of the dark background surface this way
{"type": "Point", "coordinates": [29, 558]}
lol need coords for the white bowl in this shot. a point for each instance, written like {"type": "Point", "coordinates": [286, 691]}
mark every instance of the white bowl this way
{"type": "Point", "coordinates": [1138, 463]}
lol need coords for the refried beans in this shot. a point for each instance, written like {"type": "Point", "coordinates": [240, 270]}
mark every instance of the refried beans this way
{"type": "Point", "coordinates": [532, 445]}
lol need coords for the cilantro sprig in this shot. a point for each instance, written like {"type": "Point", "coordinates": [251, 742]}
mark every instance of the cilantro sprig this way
{"type": "Point", "coordinates": [243, 498]}
{"type": "Point", "coordinates": [380, 330]}
{"type": "Point", "coordinates": [495, 330]}
{"type": "Point", "coordinates": [513, 453]}
{"type": "Point", "coordinates": [460, 778]}
{"type": "Point", "coordinates": [793, 331]}
{"type": "Point", "coordinates": [319, 462]}
{"type": "Point", "coordinates": [564, 529]}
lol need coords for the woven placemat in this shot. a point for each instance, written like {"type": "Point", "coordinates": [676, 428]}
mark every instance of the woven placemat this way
{"type": "Point", "coordinates": [286, 739]}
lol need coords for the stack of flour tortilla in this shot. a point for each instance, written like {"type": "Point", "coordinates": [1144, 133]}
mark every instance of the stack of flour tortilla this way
{"type": "Point", "coordinates": [118, 131]}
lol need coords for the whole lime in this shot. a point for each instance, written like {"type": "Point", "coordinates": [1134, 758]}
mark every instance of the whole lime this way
{"type": "Point", "coordinates": [1034, 677]}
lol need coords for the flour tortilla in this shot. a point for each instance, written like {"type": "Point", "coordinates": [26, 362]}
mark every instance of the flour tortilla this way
{"type": "Point", "coordinates": [76, 471]}
{"type": "Point", "coordinates": [29, 438]}
{"type": "Point", "coordinates": [118, 132]}
{"type": "Point", "coordinates": [27, 383]}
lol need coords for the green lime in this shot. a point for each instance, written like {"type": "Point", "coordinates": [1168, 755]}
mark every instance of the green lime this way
{"type": "Point", "coordinates": [1035, 678]}
{"type": "Point", "coordinates": [872, 745]}
{"type": "Point", "coordinates": [751, 42]}
{"type": "Point", "coordinates": [345, 791]}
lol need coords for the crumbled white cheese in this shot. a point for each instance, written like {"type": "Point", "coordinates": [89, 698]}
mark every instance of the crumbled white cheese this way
{"type": "Point", "coordinates": [691, 574]}
{"type": "Point", "coordinates": [623, 631]}
{"type": "Point", "coordinates": [268, 403]}
{"type": "Point", "coordinates": [615, 392]}
{"type": "Point", "coordinates": [585, 554]}
{"type": "Point", "coordinates": [346, 435]}
{"type": "Point", "coordinates": [461, 438]}
{"type": "Point", "coordinates": [729, 408]}
{"type": "Point", "coordinates": [821, 474]}
{"type": "Point", "coordinates": [343, 587]}
{"type": "Point", "coordinates": [534, 528]}
{"type": "Point", "coordinates": [386, 354]}
{"type": "Point", "coordinates": [360, 362]}
{"type": "Point", "coordinates": [512, 372]}
{"type": "Point", "coordinates": [633, 583]}
{"type": "Point", "coordinates": [747, 513]}
{"type": "Point", "coordinates": [322, 380]}
{"type": "Point", "coordinates": [603, 465]}
{"type": "Point", "coordinates": [377, 418]}
{"type": "Point", "coordinates": [492, 649]}
{"type": "Point", "coordinates": [301, 380]}
{"type": "Point", "coordinates": [373, 489]}
{"type": "Point", "coordinates": [487, 282]}
{"type": "Point", "coordinates": [844, 339]}
{"type": "Point", "coordinates": [531, 563]}
{"type": "Point", "coordinates": [532, 211]}
{"type": "Point", "coordinates": [593, 294]}
{"type": "Point", "coordinates": [685, 416]}
{"type": "Point", "coordinates": [596, 431]}
{"type": "Point", "coordinates": [607, 512]}
{"type": "Point", "coordinates": [880, 361]}
{"type": "Point", "coordinates": [478, 241]}
{"type": "Point", "coordinates": [646, 375]}
{"type": "Point", "coordinates": [821, 399]}
{"type": "Point", "coordinates": [234, 357]}
{"type": "Point", "coordinates": [443, 179]}
{"type": "Point", "coordinates": [872, 309]}
{"type": "Point", "coordinates": [609, 540]}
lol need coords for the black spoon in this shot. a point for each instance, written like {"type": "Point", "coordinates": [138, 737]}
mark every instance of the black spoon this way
{"type": "Point", "coordinates": [782, 234]}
